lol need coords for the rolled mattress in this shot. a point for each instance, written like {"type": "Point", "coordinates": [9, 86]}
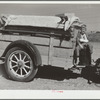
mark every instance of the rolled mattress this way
{"type": "Point", "coordinates": [38, 21]}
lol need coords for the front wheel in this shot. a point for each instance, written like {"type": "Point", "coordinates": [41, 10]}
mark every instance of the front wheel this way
{"type": "Point", "coordinates": [19, 65]}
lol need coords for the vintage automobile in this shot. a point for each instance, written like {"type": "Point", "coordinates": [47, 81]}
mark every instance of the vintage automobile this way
{"type": "Point", "coordinates": [27, 42]}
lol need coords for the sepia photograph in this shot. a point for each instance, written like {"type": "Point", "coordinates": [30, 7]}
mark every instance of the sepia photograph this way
{"type": "Point", "coordinates": [49, 46]}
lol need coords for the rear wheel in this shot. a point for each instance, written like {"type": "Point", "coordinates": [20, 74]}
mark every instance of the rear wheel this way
{"type": "Point", "coordinates": [19, 64]}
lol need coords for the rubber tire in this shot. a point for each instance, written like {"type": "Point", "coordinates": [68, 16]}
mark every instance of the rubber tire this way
{"type": "Point", "coordinates": [14, 77]}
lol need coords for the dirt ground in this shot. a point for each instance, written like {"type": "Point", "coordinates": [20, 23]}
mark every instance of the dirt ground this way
{"type": "Point", "coordinates": [53, 78]}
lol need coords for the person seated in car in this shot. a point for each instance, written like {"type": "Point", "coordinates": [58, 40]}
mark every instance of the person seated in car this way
{"type": "Point", "coordinates": [81, 41]}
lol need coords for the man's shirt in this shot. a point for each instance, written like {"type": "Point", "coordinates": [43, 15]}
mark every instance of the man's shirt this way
{"type": "Point", "coordinates": [81, 38]}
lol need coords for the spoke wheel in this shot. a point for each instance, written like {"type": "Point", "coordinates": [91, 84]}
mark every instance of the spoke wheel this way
{"type": "Point", "coordinates": [19, 65]}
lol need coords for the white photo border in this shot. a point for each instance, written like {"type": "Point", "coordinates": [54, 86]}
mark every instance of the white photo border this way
{"type": "Point", "coordinates": [49, 94]}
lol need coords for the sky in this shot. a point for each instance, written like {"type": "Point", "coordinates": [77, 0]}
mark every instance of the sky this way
{"type": "Point", "coordinates": [88, 13]}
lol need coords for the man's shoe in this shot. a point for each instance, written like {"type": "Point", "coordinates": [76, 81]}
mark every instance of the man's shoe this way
{"type": "Point", "coordinates": [72, 68]}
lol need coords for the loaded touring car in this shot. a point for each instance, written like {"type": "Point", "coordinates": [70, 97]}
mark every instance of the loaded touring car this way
{"type": "Point", "coordinates": [27, 42]}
